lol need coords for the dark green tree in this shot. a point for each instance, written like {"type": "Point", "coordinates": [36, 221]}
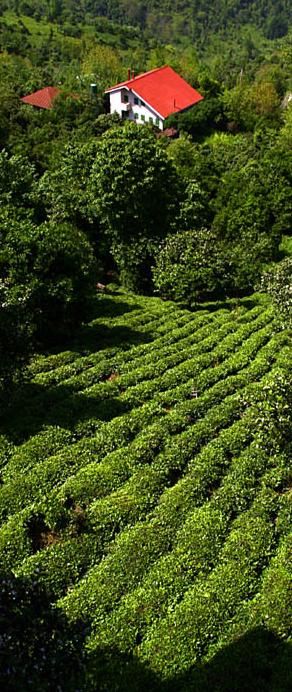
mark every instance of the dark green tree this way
{"type": "Point", "coordinates": [53, 266]}
{"type": "Point", "coordinates": [15, 338]}
{"type": "Point", "coordinates": [134, 192]}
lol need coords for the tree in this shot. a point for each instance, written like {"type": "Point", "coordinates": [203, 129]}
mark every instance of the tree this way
{"type": "Point", "coordinates": [64, 190]}
{"type": "Point", "coordinates": [200, 119]}
{"type": "Point", "coordinates": [276, 26]}
{"type": "Point", "coordinates": [238, 109]}
{"type": "Point", "coordinates": [15, 337]}
{"type": "Point", "coordinates": [102, 64]}
{"type": "Point", "coordinates": [195, 211]}
{"type": "Point", "coordinates": [53, 266]}
{"type": "Point", "coordinates": [134, 192]}
{"type": "Point", "coordinates": [246, 221]}
{"type": "Point", "coordinates": [17, 179]}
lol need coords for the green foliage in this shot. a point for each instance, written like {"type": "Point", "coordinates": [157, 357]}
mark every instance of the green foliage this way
{"type": "Point", "coordinates": [199, 120]}
{"type": "Point", "coordinates": [159, 19]}
{"type": "Point", "coordinates": [246, 220]}
{"type": "Point", "coordinates": [276, 26]}
{"type": "Point", "coordinates": [15, 336]}
{"type": "Point", "coordinates": [17, 179]}
{"type": "Point", "coordinates": [37, 644]}
{"type": "Point", "coordinates": [248, 107]}
{"type": "Point", "coordinates": [53, 265]}
{"type": "Point", "coordinates": [146, 470]}
{"type": "Point", "coordinates": [134, 194]}
{"type": "Point", "coordinates": [63, 191]}
{"type": "Point", "coordinates": [278, 283]}
{"type": "Point", "coordinates": [192, 468]}
{"type": "Point", "coordinates": [190, 266]}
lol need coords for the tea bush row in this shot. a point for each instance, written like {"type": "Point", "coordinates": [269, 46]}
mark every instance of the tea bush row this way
{"type": "Point", "coordinates": [120, 571]}
{"type": "Point", "coordinates": [174, 332]}
{"type": "Point", "coordinates": [195, 552]}
{"type": "Point", "coordinates": [185, 634]}
{"type": "Point", "coordinates": [88, 482]}
{"type": "Point", "coordinates": [188, 491]}
{"type": "Point", "coordinates": [49, 478]}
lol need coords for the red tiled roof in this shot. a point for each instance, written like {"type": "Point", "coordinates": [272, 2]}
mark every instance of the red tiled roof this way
{"type": "Point", "coordinates": [162, 89]}
{"type": "Point", "coordinates": [43, 98]}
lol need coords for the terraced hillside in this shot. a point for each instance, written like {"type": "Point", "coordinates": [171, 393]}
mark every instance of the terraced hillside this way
{"type": "Point", "coordinates": [145, 492]}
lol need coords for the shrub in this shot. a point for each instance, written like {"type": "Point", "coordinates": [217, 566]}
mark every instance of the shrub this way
{"type": "Point", "coordinates": [190, 266]}
{"type": "Point", "coordinates": [278, 284]}
{"type": "Point", "coordinates": [15, 336]}
{"type": "Point", "coordinates": [55, 266]}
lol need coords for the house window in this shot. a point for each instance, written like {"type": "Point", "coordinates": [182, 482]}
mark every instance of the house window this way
{"type": "Point", "coordinates": [136, 116]}
{"type": "Point", "coordinates": [124, 98]}
{"type": "Point", "coordinates": [136, 101]}
{"type": "Point", "coordinates": [143, 118]}
{"type": "Point", "coordinates": [142, 103]}
{"type": "Point", "coordinates": [151, 120]}
{"type": "Point", "coordinates": [157, 121]}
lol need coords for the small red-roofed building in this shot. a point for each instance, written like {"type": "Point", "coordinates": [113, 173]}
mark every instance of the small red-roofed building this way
{"type": "Point", "coordinates": [43, 98]}
{"type": "Point", "coordinates": [152, 96]}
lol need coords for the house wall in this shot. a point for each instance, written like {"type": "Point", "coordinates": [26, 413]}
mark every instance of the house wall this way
{"type": "Point", "coordinates": [139, 112]}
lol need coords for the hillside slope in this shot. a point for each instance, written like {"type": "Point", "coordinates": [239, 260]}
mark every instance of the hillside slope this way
{"type": "Point", "coordinates": [194, 18]}
{"type": "Point", "coordinates": [145, 492]}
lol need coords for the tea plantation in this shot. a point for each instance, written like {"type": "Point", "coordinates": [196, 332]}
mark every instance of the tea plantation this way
{"type": "Point", "coordinates": [145, 504]}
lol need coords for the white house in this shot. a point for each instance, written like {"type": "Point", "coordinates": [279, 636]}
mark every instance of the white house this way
{"type": "Point", "coordinates": [153, 96]}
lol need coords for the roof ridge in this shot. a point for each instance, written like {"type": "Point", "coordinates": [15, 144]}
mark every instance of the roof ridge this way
{"type": "Point", "coordinates": [145, 74]}
{"type": "Point", "coordinates": [46, 88]}
{"type": "Point", "coordinates": [128, 82]}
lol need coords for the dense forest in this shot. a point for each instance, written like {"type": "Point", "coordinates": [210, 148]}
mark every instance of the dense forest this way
{"type": "Point", "coordinates": [145, 351]}
{"type": "Point", "coordinates": [180, 19]}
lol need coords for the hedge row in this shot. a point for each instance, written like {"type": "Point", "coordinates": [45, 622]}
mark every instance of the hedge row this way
{"type": "Point", "coordinates": [171, 332]}
{"type": "Point", "coordinates": [151, 379]}
{"type": "Point", "coordinates": [38, 448]}
{"type": "Point", "coordinates": [270, 607]}
{"type": "Point", "coordinates": [52, 471]}
{"type": "Point", "coordinates": [122, 569]}
{"type": "Point", "coordinates": [138, 373]}
{"type": "Point", "coordinates": [89, 482]}
{"type": "Point", "coordinates": [195, 553]}
{"type": "Point", "coordinates": [185, 493]}
{"type": "Point", "coordinates": [36, 484]}
{"type": "Point", "coordinates": [185, 634]}
{"type": "Point", "coordinates": [195, 374]}
{"type": "Point", "coordinates": [88, 404]}
{"type": "Point", "coordinates": [52, 369]}
{"type": "Point", "coordinates": [173, 505]}
{"type": "Point", "coordinates": [159, 353]}
{"type": "Point", "coordinates": [111, 359]}
{"type": "Point", "coordinates": [242, 359]}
